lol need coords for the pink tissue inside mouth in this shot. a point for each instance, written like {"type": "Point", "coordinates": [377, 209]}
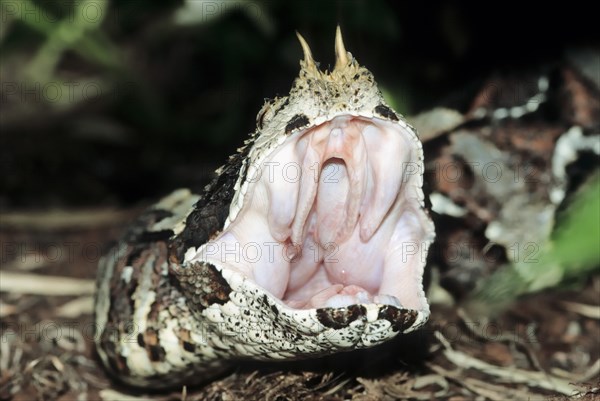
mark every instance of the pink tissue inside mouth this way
{"type": "Point", "coordinates": [334, 219]}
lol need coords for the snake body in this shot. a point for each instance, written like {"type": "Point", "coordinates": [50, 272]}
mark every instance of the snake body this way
{"type": "Point", "coordinates": [278, 258]}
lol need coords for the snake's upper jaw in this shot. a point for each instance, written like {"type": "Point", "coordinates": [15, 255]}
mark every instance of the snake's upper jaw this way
{"type": "Point", "coordinates": [335, 219]}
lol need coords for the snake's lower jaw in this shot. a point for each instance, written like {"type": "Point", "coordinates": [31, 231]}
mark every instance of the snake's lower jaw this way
{"type": "Point", "coordinates": [335, 219]}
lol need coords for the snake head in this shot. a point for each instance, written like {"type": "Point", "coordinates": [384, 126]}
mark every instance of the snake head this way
{"type": "Point", "coordinates": [326, 235]}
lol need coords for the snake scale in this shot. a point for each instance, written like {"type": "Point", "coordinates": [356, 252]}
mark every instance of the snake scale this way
{"type": "Point", "coordinates": [310, 240]}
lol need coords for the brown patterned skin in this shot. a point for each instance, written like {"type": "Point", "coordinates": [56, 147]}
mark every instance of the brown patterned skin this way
{"type": "Point", "coordinates": [505, 170]}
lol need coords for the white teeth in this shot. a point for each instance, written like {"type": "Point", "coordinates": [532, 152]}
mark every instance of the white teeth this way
{"type": "Point", "coordinates": [387, 300]}
{"type": "Point", "coordinates": [387, 162]}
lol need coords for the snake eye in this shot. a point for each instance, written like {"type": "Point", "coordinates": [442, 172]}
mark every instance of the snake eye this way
{"type": "Point", "coordinates": [268, 111]}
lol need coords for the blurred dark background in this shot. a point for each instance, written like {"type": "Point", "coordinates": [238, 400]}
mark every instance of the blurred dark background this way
{"type": "Point", "coordinates": [115, 103]}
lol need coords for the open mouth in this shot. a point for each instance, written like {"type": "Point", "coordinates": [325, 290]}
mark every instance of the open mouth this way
{"type": "Point", "coordinates": [332, 217]}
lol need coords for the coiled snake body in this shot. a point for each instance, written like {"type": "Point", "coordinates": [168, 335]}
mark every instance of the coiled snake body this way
{"type": "Point", "coordinates": [310, 240]}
